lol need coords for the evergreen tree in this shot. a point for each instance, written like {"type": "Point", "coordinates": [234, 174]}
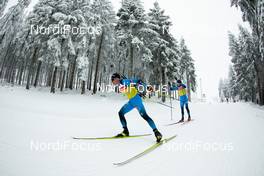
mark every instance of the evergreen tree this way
{"type": "Point", "coordinates": [232, 83]}
{"type": "Point", "coordinates": [186, 67]}
{"type": "Point", "coordinates": [253, 12]}
{"type": "Point", "coordinates": [132, 31]}
{"type": "Point", "coordinates": [165, 50]}
{"type": "Point", "coordinates": [242, 52]}
{"type": "Point", "coordinates": [10, 25]}
{"type": "Point", "coordinates": [106, 17]}
{"type": "Point", "coordinates": [48, 48]}
{"type": "Point", "coordinates": [3, 4]}
{"type": "Point", "coordinates": [163, 55]}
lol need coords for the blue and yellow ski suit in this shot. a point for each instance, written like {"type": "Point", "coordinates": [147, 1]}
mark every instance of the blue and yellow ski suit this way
{"type": "Point", "coordinates": [183, 97]}
{"type": "Point", "coordinates": [128, 87]}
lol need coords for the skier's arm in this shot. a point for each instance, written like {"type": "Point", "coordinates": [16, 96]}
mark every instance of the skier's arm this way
{"type": "Point", "coordinates": [141, 88]}
{"type": "Point", "coordinates": [125, 82]}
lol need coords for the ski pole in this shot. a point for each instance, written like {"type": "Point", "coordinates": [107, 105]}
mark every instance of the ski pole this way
{"type": "Point", "coordinates": [170, 98]}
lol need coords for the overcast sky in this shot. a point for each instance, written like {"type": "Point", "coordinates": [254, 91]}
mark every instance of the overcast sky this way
{"type": "Point", "coordinates": [204, 25]}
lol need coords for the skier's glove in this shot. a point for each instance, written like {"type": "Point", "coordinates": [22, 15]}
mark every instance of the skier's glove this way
{"type": "Point", "coordinates": [142, 95]}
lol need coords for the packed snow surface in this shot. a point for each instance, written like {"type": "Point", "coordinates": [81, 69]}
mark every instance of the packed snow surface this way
{"type": "Point", "coordinates": [36, 130]}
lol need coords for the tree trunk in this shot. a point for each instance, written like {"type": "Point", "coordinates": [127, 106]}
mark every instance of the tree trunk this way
{"type": "Point", "coordinates": [87, 54]}
{"type": "Point", "coordinates": [98, 62]}
{"type": "Point", "coordinates": [60, 77]}
{"type": "Point", "coordinates": [30, 70]}
{"type": "Point", "coordinates": [63, 80]}
{"type": "Point", "coordinates": [261, 90]}
{"type": "Point", "coordinates": [13, 74]}
{"type": "Point", "coordinates": [20, 72]}
{"type": "Point", "coordinates": [10, 69]}
{"type": "Point", "coordinates": [83, 87]}
{"type": "Point", "coordinates": [5, 60]}
{"type": "Point", "coordinates": [91, 75]}
{"type": "Point", "coordinates": [72, 72]}
{"type": "Point", "coordinates": [50, 70]}
{"type": "Point", "coordinates": [76, 82]}
{"type": "Point", "coordinates": [259, 67]}
{"type": "Point", "coordinates": [67, 77]}
{"type": "Point", "coordinates": [37, 74]}
{"type": "Point", "coordinates": [53, 84]}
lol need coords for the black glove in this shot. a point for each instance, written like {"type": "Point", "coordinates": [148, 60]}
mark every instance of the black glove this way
{"type": "Point", "coordinates": [142, 95]}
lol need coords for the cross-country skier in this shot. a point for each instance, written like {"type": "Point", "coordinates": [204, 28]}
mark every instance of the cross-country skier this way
{"type": "Point", "coordinates": [181, 88]}
{"type": "Point", "coordinates": [129, 87]}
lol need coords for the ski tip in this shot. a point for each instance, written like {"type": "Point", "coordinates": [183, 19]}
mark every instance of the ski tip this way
{"type": "Point", "coordinates": [168, 139]}
{"type": "Point", "coordinates": [117, 164]}
{"type": "Point", "coordinates": [163, 141]}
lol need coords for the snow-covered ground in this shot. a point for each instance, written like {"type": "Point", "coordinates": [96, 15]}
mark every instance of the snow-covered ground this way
{"type": "Point", "coordinates": [36, 129]}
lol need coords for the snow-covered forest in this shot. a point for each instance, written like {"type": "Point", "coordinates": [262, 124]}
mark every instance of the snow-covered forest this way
{"type": "Point", "coordinates": [35, 51]}
{"type": "Point", "coordinates": [58, 119]}
{"type": "Point", "coordinates": [246, 74]}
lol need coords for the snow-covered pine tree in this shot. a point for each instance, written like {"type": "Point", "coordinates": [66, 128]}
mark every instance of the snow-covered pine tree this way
{"type": "Point", "coordinates": [187, 69]}
{"type": "Point", "coordinates": [132, 32]}
{"type": "Point", "coordinates": [247, 58]}
{"type": "Point", "coordinates": [70, 46]}
{"type": "Point", "coordinates": [3, 4]}
{"type": "Point", "coordinates": [233, 89]}
{"type": "Point", "coordinates": [10, 25]}
{"type": "Point", "coordinates": [220, 89]}
{"type": "Point", "coordinates": [160, 23]}
{"type": "Point", "coordinates": [224, 91]}
{"type": "Point", "coordinates": [243, 55]}
{"type": "Point", "coordinates": [253, 13]}
{"type": "Point", "coordinates": [40, 54]}
{"type": "Point", "coordinates": [103, 10]}
{"type": "Point", "coordinates": [165, 50]}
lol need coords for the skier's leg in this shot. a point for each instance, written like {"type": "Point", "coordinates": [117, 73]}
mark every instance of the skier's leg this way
{"type": "Point", "coordinates": [125, 109]}
{"type": "Point", "coordinates": [137, 102]}
{"type": "Point", "coordinates": [142, 111]}
{"type": "Point", "coordinates": [182, 111]}
{"type": "Point", "coordinates": [188, 111]}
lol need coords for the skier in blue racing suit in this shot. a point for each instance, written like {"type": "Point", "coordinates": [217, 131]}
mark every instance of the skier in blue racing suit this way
{"type": "Point", "coordinates": [181, 88]}
{"type": "Point", "coordinates": [128, 87]}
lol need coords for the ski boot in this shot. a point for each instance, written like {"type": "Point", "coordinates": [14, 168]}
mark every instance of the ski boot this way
{"type": "Point", "coordinates": [181, 121]}
{"type": "Point", "coordinates": [158, 135]}
{"type": "Point", "coordinates": [189, 118]}
{"type": "Point", "coordinates": [125, 133]}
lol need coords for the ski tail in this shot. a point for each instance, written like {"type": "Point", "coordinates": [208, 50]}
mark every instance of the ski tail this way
{"type": "Point", "coordinates": [185, 122]}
